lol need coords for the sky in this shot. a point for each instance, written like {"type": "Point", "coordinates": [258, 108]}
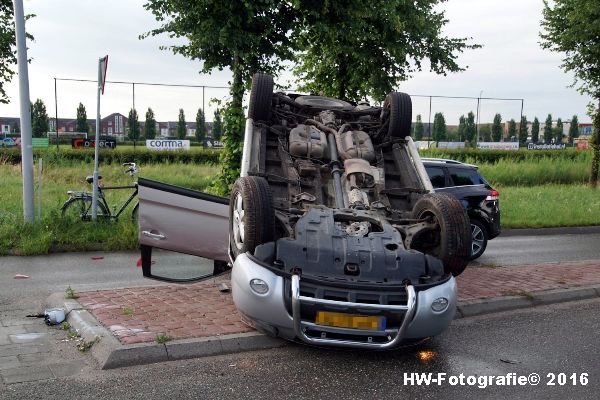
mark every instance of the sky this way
{"type": "Point", "coordinates": [70, 36]}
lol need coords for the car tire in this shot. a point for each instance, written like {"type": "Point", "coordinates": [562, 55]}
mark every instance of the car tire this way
{"type": "Point", "coordinates": [398, 109]}
{"type": "Point", "coordinates": [479, 239]}
{"type": "Point", "coordinates": [261, 96]}
{"type": "Point", "coordinates": [251, 214]}
{"type": "Point", "coordinates": [451, 243]}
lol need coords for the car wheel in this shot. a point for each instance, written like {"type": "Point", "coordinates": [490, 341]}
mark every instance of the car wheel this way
{"type": "Point", "coordinates": [251, 214]}
{"type": "Point", "coordinates": [261, 96]}
{"type": "Point", "coordinates": [479, 239]}
{"type": "Point", "coordinates": [398, 109]}
{"type": "Point", "coordinates": [451, 240]}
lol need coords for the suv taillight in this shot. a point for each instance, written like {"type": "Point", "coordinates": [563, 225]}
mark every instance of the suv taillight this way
{"type": "Point", "coordinates": [494, 195]}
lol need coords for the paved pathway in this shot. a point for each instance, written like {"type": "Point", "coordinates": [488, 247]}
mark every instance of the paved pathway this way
{"type": "Point", "coordinates": [198, 310]}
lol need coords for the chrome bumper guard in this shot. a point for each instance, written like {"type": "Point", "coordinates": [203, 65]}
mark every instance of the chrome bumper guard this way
{"type": "Point", "coordinates": [394, 335]}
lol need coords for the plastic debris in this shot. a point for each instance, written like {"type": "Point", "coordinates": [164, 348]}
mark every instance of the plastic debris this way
{"type": "Point", "coordinates": [21, 276]}
{"type": "Point", "coordinates": [97, 257]}
{"type": "Point", "coordinates": [54, 316]}
{"type": "Point", "coordinates": [223, 288]}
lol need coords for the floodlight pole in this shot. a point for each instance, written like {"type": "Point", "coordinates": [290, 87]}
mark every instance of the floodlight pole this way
{"type": "Point", "coordinates": [97, 145]}
{"type": "Point", "coordinates": [56, 113]}
{"type": "Point", "coordinates": [25, 108]}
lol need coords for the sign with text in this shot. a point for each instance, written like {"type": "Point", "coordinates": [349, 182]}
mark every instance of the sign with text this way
{"type": "Point", "coordinates": [167, 144]}
{"type": "Point", "coordinates": [82, 143]}
{"type": "Point", "coordinates": [498, 145]}
{"type": "Point", "coordinates": [557, 146]}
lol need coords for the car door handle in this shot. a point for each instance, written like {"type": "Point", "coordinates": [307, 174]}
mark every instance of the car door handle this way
{"type": "Point", "coordinates": [153, 235]}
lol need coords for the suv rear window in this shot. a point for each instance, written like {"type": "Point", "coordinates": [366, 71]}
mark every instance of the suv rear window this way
{"type": "Point", "coordinates": [465, 176]}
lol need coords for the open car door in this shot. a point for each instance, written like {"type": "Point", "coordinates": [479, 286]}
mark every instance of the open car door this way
{"type": "Point", "coordinates": [184, 221]}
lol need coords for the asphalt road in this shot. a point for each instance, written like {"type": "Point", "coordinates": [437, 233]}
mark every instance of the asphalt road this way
{"type": "Point", "coordinates": [558, 339]}
{"type": "Point", "coordinates": [515, 250]}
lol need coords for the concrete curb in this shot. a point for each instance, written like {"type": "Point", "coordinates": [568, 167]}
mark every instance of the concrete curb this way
{"type": "Point", "coordinates": [471, 308]}
{"type": "Point", "coordinates": [567, 230]}
{"type": "Point", "coordinates": [110, 353]}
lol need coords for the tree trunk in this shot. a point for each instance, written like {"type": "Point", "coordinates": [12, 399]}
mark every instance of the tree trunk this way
{"type": "Point", "coordinates": [595, 149]}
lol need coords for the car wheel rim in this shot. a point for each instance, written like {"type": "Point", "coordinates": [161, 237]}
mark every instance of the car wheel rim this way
{"type": "Point", "coordinates": [477, 239]}
{"type": "Point", "coordinates": [238, 221]}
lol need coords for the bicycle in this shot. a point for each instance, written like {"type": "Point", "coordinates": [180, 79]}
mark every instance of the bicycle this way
{"type": "Point", "coordinates": [79, 204]}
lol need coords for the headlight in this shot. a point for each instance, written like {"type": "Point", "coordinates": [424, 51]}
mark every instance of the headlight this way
{"type": "Point", "coordinates": [439, 304]}
{"type": "Point", "coordinates": [259, 286]}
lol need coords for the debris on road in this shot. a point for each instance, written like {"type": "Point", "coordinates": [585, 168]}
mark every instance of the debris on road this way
{"type": "Point", "coordinates": [21, 276]}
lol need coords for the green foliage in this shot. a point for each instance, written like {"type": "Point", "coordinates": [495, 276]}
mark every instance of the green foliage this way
{"type": "Point", "coordinates": [512, 129]}
{"type": "Point", "coordinates": [558, 131]}
{"type": "Point", "coordinates": [200, 126]}
{"type": "Point", "coordinates": [70, 293]}
{"type": "Point", "coordinates": [39, 119]}
{"type": "Point", "coordinates": [548, 129]}
{"type": "Point", "coordinates": [357, 49]}
{"type": "Point", "coordinates": [485, 131]}
{"type": "Point", "coordinates": [462, 125]}
{"type": "Point", "coordinates": [81, 124]}
{"type": "Point", "coordinates": [470, 129]}
{"type": "Point", "coordinates": [217, 130]}
{"type": "Point", "coordinates": [8, 48]}
{"type": "Point", "coordinates": [181, 128]}
{"type": "Point", "coordinates": [477, 156]}
{"type": "Point", "coordinates": [573, 129]}
{"type": "Point", "coordinates": [497, 128]}
{"type": "Point", "coordinates": [439, 127]}
{"type": "Point", "coordinates": [231, 156]}
{"type": "Point", "coordinates": [535, 130]}
{"type": "Point", "coordinates": [418, 131]}
{"type": "Point", "coordinates": [523, 131]}
{"type": "Point", "coordinates": [150, 125]}
{"type": "Point", "coordinates": [133, 125]}
{"type": "Point", "coordinates": [163, 338]}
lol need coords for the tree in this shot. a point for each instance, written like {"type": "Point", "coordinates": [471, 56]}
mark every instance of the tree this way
{"type": "Point", "coordinates": [573, 129]}
{"type": "Point", "coordinates": [356, 49]}
{"type": "Point", "coordinates": [512, 129]}
{"type": "Point", "coordinates": [39, 119]}
{"type": "Point", "coordinates": [133, 124]}
{"type": "Point", "coordinates": [181, 128]}
{"type": "Point", "coordinates": [571, 27]}
{"type": "Point", "coordinates": [497, 128]}
{"type": "Point", "coordinates": [485, 131]}
{"type": "Point", "coordinates": [81, 124]}
{"type": "Point", "coordinates": [548, 129]}
{"type": "Point", "coordinates": [217, 130]}
{"type": "Point", "coordinates": [243, 36]}
{"type": "Point", "coordinates": [523, 131]}
{"type": "Point", "coordinates": [418, 128]}
{"type": "Point", "coordinates": [462, 125]}
{"type": "Point", "coordinates": [150, 125]}
{"type": "Point", "coordinates": [439, 127]}
{"type": "Point", "coordinates": [8, 56]}
{"type": "Point", "coordinates": [558, 131]}
{"type": "Point", "coordinates": [200, 126]}
{"type": "Point", "coordinates": [535, 130]}
{"type": "Point", "coordinates": [470, 129]}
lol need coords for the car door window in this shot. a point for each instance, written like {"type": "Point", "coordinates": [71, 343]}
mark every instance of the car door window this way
{"type": "Point", "coordinates": [436, 176]}
{"type": "Point", "coordinates": [463, 176]}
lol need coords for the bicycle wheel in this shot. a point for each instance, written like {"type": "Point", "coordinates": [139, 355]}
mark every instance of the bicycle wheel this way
{"type": "Point", "coordinates": [81, 209]}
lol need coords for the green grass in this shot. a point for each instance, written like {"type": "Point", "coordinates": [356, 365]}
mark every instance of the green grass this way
{"type": "Point", "coordinates": [549, 206]}
{"type": "Point", "coordinates": [52, 233]}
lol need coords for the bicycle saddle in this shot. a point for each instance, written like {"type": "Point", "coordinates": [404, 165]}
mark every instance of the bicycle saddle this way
{"type": "Point", "coordinates": [90, 178]}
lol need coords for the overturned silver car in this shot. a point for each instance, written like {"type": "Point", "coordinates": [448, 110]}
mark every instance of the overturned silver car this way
{"type": "Point", "coordinates": [334, 232]}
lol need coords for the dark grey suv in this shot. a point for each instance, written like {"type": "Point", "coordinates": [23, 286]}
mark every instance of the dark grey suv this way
{"type": "Point", "coordinates": [478, 197]}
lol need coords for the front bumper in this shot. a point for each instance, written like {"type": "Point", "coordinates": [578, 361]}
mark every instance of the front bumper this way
{"type": "Point", "coordinates": [268, 312]}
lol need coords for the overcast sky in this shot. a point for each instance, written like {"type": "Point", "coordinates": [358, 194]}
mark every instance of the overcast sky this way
{"type": "Point", "coordinates": [72, 34]}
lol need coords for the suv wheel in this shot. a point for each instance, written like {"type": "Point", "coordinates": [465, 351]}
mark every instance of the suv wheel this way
{"type": "Point", "coordinates": [251, 214]}
{"type": "Point", "coordinates": [451, 241]}
{"type": "Point", "coordinates": [261, 95]}
{"type": "Point", "coordinates": [479, 239]}
{"type": "Point", "coordinates": [398, 108]}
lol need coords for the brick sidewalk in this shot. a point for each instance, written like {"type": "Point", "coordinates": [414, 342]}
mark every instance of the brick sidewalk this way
{"type": "Point", "coordinates": [199, 310]}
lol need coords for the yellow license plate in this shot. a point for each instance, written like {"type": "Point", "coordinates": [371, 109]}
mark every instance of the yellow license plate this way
{"type": "Point", "coordinates": [341, 320]}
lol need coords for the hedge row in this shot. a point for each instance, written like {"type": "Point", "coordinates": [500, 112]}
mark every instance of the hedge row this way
{"type": "Point", "coordinates": [140, 155]}
{"type": "Point", "coordinates": [211, 156]}
{"type": "Point", "coordinates": [493, 156]}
